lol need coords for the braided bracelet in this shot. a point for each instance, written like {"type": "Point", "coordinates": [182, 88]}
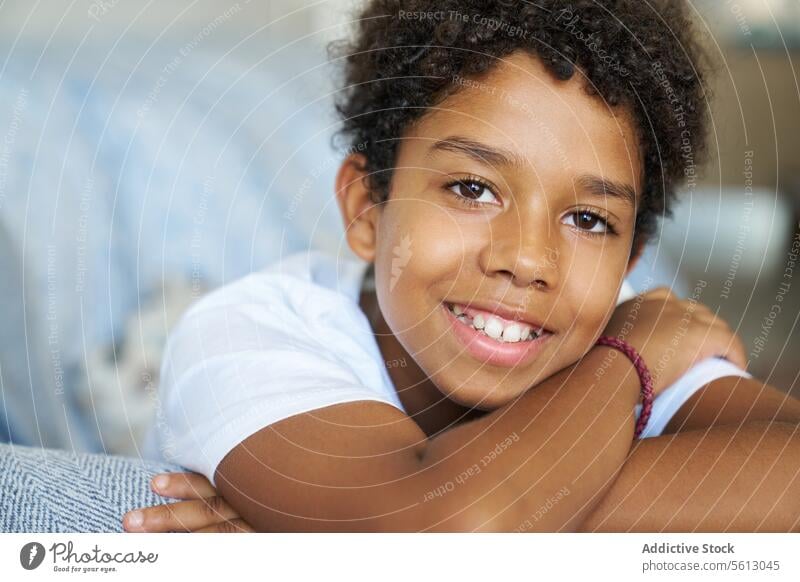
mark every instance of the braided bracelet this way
{"type": "Point", "coordinates": [644, 377]}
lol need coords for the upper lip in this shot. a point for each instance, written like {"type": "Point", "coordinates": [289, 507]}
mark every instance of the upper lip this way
{"type": "Point", "coordinates": [508, 312]}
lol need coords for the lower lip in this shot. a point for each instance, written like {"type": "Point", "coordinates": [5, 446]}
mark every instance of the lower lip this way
{"type": "Point", "coordinates": [484, 348]}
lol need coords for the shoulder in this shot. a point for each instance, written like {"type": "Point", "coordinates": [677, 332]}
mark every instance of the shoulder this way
{"type": "Point", "coordinates": [290, 283]}
{"type": "Point", "coordinates": [303, 298]}
{"type": "Point", "coordinates": [276, 343]}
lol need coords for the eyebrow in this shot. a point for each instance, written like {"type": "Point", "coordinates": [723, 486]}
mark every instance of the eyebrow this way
{"type": "Point", "coordinates": [492, 156]}
{"type": "Point", "coordinates": [603, 187]}
{"type": "Point", "coordinates": [480, 152]}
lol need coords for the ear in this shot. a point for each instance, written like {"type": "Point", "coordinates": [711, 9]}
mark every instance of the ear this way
{"type": "Point", "coordinates": [359, 213]}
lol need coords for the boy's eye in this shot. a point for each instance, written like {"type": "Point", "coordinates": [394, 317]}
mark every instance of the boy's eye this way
{"type": "Point", "coordinates": [588, 221]}
{"type": "Point", "coordinates": [473, 191]}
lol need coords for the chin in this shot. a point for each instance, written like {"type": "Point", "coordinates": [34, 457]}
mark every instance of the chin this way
{"type": "Point", "coordinates": [481, 398]}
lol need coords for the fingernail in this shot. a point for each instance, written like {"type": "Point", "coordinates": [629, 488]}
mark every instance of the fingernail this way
{"type": "Point", "coordinates": [160, 482]}
{"type": "Point", "coordinates": [134, 519]}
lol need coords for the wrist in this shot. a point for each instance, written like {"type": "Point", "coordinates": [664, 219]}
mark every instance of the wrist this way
{"type": "Point", "coordinates": [613, 363]}
{"type": "Point", "coordinates": [642, 372]}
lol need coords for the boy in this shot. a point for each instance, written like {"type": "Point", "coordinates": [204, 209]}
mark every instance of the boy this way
{"type": "Point", "coordinates": [518, 157]}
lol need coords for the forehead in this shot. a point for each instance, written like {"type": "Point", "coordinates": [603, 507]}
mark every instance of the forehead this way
{"type": "Point", "coordinates": [553, 126]}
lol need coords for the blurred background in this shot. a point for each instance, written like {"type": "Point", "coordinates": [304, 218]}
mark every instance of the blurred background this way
{"type": "Point", "coordinates": [151, 151]}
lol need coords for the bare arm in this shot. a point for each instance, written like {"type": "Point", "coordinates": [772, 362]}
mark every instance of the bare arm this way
{"type": "Point", "coordinates": [733, 400]}
{"type": "Point", "coordinates": [365, 466]}
{"type": "Point", "coordinates": [726, 478]}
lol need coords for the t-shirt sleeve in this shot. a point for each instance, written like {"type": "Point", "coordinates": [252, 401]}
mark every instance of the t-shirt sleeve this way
{"type": "Point", "coordinates": [670, 400]}
{"type": "Point", "coordinates": [233, 366]}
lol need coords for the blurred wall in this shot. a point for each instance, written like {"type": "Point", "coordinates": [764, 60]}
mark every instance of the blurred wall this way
{"type": "Point", "coordinates": [757, 107]}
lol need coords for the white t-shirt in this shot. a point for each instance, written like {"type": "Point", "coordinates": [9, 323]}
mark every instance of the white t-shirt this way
{"type": "Point", "coordinates": [286, 340]}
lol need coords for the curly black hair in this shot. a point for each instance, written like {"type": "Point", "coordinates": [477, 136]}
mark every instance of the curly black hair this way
{"type": "Point", "coordinates": [407, 55]}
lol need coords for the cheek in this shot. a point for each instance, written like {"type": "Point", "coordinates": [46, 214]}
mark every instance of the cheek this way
{"type": "Point", "coordinates": [597, 315]}
{"type": "Point", "coordinates": [421, 245]}
{"type": "Point", "coordinates": [410, 258]}
{"type": "Point", "coordinates": [421, 255]}
{"type": "Point", "coordinates": [592, 285]}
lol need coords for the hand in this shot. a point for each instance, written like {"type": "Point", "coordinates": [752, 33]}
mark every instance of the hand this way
{"type": "Point", "coordinates": [203, 511]}
{"type": "Point", "coordinates": [673, 334]}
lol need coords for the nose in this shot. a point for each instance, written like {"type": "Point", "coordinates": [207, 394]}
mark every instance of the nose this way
{"type": "Point", "coordinates": [523, 249]}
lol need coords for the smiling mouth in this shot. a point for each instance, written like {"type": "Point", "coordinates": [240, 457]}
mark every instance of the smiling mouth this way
{"type": "Point", "coordinates": [497, 328]}
{"type": "Point", "coordinates": [494, 340]}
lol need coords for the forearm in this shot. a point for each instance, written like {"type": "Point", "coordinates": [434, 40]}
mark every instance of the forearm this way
{"type": "Point", "coordinates": [327, 472]}
{"type": "Point", "coordinates": [727, 478]}
{"type": "Point", "coordinates": [575, 431]}
{"type": "Point", "coordinates": [734, 400]}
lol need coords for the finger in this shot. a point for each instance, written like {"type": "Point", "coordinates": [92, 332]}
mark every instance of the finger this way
{"type": "Point", "coordinates": [698, 311]}
{"type": "Point", "coordinates": [179, 516]}
{"type": "Point", "coordinates": [737, 354]}
{"type": "Point", "coordinates": [232, 526]}
{"type": "Point", "coordinates": [730, 345]}
{"type": "Point", "coordinates": [703, 313]}
{"type": "Point", "coordinates": [183, 486]}
{"type": "Point", "coordinates": [660, 293]}
{"type": "Point", "coordinates": [723, 343]}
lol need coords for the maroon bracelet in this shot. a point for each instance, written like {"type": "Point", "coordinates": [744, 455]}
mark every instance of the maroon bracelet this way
{"type": "Point", "coordinates": [644, 377]}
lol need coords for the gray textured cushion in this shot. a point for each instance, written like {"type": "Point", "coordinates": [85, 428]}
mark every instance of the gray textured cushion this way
{"type": "Point", "coordinates": [48, 490]}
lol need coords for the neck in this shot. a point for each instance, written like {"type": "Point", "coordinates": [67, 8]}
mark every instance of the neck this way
{"type": "Point", "coordinates": [423, 401]}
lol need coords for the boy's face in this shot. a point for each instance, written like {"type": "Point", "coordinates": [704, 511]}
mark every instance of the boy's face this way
{"type": "Point", "coordinates": [497, 202]}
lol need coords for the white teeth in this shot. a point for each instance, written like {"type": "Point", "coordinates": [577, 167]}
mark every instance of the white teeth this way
{"type": "Point", "coordinates": [493, 328]}
{"type": "Point", "coordinates": [512, 333]}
